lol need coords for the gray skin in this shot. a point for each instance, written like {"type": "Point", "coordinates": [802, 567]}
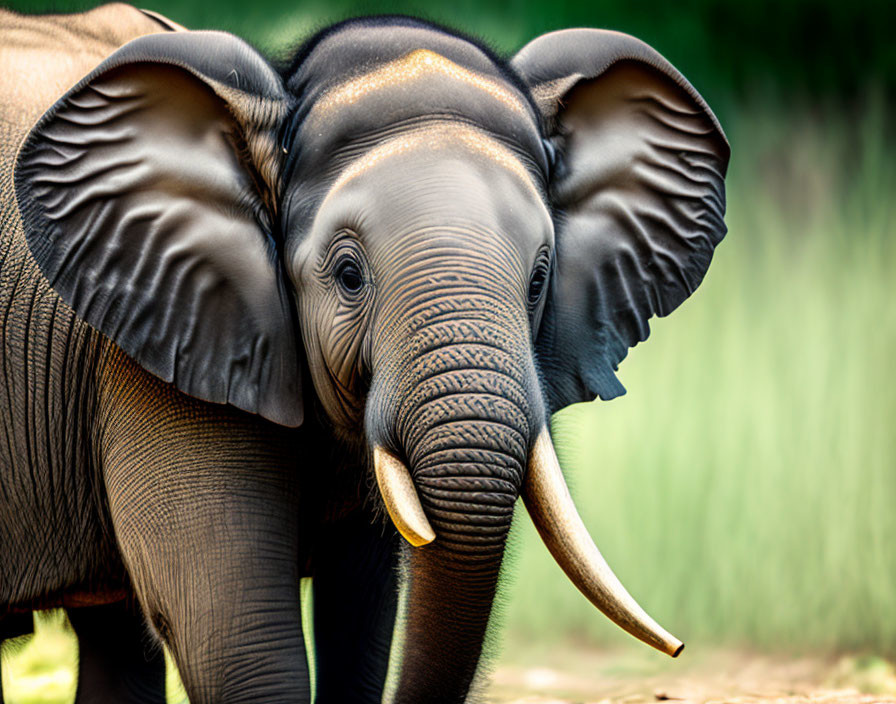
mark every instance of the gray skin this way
{"type": "Point", "coordinates": [223, 285]}
{"type": "Point", "coordinates": [115, 487]}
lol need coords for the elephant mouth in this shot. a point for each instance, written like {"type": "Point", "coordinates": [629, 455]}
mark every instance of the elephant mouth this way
{"type": "Point", "coordinates": [554, 514]}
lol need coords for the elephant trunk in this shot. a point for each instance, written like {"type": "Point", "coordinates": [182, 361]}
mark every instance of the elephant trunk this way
{"type": "Point", "coordinates": [445, 622]}
{"type": "Point", "coordinates": [458, 435]}
{"type": "Point", "coordinates": [467, 454]}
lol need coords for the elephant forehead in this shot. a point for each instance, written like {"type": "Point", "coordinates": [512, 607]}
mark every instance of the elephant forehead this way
{"type": "Point", "coordinates": [416, 67]}
{"type": "Point", "coordinates": [431, 143]}
{"type": "Point", "coordinates": [422, 86]}
{"type": "Point", "coordinates": [445, 183]}
{"type": "Point", "coordinates": [436, 176]}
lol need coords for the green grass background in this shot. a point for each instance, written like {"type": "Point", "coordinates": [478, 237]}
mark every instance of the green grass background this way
{"type": "Point", "coordinates": [744, 489]}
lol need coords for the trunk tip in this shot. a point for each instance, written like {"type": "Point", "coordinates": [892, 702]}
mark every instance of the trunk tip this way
{"type": "Point", "coordinates": [675, 652]}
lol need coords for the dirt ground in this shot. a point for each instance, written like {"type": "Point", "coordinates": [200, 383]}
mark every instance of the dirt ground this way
{"type": "Point", "coordinates": [582, 676]}
{"type": "Point", "coordinates": [42, 671]}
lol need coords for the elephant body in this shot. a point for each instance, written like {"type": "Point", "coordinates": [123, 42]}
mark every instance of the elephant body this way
{"type": "Point", "coordinates": [49, 357]}
{"type": "Point", "coordinates": [59, 547]}
{"type": "Point", "coordinates": [85, 430]}
{"type": "Point", "coordinates": [249, 313]}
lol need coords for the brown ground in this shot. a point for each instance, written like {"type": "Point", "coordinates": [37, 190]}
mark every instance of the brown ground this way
{"type": "Point", "coordinates": [42, 672]}
{"type": "Point", "coordinates": [585, 676]}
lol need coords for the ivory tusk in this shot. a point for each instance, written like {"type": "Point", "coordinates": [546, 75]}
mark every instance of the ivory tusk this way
{"type": "Point", "coordinates": [400, 497]}
{"type": "Point", "coordinates": [555, 516]}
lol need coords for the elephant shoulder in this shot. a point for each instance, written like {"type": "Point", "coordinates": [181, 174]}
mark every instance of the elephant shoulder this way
{"type": "Point", "coordinates": [45, 55]}
{"type": "Point", "coordinates": [106, 28]}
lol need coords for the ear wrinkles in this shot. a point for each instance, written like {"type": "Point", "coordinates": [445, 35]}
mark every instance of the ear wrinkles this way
{"type": "Point", "coordinates": [634, 146]}
{"type": "Point", "coordinates": [641, 196]}
{"type": "Point", "coordinates": [146, 196]}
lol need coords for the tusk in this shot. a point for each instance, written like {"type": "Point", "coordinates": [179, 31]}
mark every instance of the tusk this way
{"type": "Point", "coordinates": [552, 510]}
{"type": "Point", "coordinates": [400, 497]}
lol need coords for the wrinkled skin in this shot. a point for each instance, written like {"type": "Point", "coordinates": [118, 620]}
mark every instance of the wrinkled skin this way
{"type": "Point", "coordinates": [399, 241]}
{"type": "Point", "coordinates": [113, 483]}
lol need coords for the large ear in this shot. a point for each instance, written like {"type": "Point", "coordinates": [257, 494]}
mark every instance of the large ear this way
{"type": "Point", "coordinates": [148, 196]}
{"type": "Point", "coordinates": [640, 195]}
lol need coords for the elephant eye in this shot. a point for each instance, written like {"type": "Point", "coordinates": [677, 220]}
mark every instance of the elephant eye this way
{"type": "Point", "coordinates": [539, 278]}
{"type": "Point", "coordinates": [349, 276]}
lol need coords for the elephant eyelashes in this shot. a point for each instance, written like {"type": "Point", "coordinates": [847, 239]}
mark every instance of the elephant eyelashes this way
{"type": "Point", "coordinates": [539, 278]}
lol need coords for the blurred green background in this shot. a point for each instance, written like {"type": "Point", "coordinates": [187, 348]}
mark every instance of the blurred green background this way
{"type": "Point", "coordinates": [745, 489]}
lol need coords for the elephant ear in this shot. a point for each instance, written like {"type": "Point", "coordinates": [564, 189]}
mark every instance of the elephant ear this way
{"type": "Point", "coordinates": [147, 193]}
{"type": "Point", "coordinates": [640, 195]}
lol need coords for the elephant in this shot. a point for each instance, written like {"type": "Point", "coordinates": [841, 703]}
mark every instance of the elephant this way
{"type": "Point", "coordinates": [269, 321]}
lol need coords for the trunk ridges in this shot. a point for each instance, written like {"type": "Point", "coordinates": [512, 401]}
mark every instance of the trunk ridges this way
{"type": "Point", "coordinates": [467, 451]}
{"type": "Point", "coordinates": [455, 400]}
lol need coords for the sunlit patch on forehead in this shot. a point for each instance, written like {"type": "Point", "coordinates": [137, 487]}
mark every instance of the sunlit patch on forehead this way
{"type": "Point", "coordinates": [436, 137]}
{"type": "Point", "coordinates": [419, 64]}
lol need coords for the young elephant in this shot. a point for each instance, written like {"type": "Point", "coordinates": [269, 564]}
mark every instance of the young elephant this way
{"type": "Point", "coordinates": [405, 245]}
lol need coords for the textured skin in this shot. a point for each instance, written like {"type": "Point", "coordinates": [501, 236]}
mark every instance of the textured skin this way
{"type": "Point", "coordinates": [49, 468]}
{"type": "Point", "coordinates": [409, 201]}
{"type": "Point", "coordinates": [43, 402]}
{"type": "Point", "coordinates": [43, 342]}
{"type": "Point", "coordinates": [642, 192]}
{"type": "Point", "coordinates": [146, 198]}
{"type": "Point", "coordinates": [110, 478]}
{"type": "Point", "coordinates": [211, 544]}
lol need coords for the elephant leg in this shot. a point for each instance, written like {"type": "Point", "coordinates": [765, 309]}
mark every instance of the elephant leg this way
{"type": "Point", "coordinates": [117, 662]}
{"type": "Point", "coordinates": [355, 602]}
{"type": "Point", "coordinates": [218, 574]}
{"type": "Point", "coordinates": [204, 502]}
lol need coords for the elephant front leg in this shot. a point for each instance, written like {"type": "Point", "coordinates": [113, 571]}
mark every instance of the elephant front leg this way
{"type": "Point", "coordinates": [204, 504]}
{"type": "Point", "coordinates": [355, 602]}
{"type": "Point", "coordinates": [117, 660]}
{"type": "Point", "coordinates": [217, 575]}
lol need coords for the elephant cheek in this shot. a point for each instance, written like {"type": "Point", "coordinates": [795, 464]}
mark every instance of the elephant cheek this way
{"type": "Point", "coordinates": [334, 338]}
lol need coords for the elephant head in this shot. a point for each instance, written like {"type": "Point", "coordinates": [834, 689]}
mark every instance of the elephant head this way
{"type": "Point", "coordinates": [450, 246]}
